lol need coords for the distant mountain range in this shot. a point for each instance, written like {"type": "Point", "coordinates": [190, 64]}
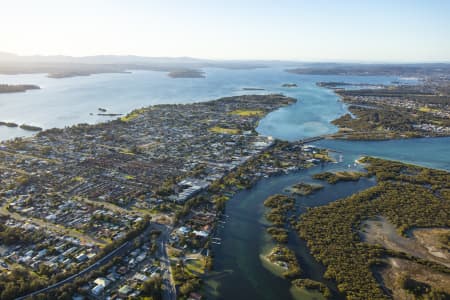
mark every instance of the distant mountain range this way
{"type": "Point", "coordinates": [98, 59]}
{"type": "Point", "coordinates": [59, 66]}
{"type": "Point", "coordinates": [67, 66]}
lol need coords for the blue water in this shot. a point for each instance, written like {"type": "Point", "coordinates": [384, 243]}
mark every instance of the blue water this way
{"type": "Point", "coordinates": [64, 102]}
{"type": "Point", "coordinates": [428, 152]}
{"type": "Point", "coordinates": [68, 101]}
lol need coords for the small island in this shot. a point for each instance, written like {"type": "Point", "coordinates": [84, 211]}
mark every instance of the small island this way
{"type": "Point", "coordinates": [8, 88]}
{"type": "Point", "coordinates": [252, 89]}
{"type": "Point", "coordinates": [289, 85]}
{"type": "Point", "coordinates": [309, 284]}
{"type": "Point", "coordinates": [188, 73]}
{"type": "Point", "coordinates": [30, 127]}
{"type": "Point", "coordinates": [109, 115]}
{"type": "Point", "coordinates": [285, 258]}
{"type": "Point", "coordinates": [279, 207]}
{"type": "Point", "coordinates": [335, 177]}
{"type": "Point", "coordinates": [8, 124]}
{"type": "Point", "coordinates": [304, 189]}
{"type": "Point", "coordinates": [88, 72]}
{"type": "Point", "coordinates": [102, 113]}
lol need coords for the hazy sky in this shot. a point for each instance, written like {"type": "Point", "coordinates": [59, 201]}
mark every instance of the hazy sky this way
{"type": "Point", "coordinates": [368, 30]}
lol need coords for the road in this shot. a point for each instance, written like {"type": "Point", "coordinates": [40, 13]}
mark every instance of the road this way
{"type": "Point", "coordinates": [314, 139]}
{"type": "Point", "coordinates": [90, 268]}
{"type": "Point", "coordinates": [169, 291]}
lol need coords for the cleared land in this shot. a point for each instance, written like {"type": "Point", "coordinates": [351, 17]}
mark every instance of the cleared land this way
{"type": "Point", "coordinates": [380, 231]}
{"type": "Point", "coordinates": [247, 113]}
{"type": "Point", "coordinates": [404, 279]}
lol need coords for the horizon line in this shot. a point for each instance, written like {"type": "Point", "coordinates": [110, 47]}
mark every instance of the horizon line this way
{"type": "Point", "coordinates": [294, 60]}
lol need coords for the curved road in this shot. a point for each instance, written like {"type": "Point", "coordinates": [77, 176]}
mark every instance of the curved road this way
{"type": "Point", "coordinates": [169, 291]}
{"type": "Point", "coordinates": [92, 267]}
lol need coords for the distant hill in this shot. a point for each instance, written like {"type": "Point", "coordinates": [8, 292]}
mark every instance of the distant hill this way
{"type": "Point", "coordinates": [67, 66]}
{"type": "Point", "coordinates": [7, 56]}
{"type": "Point", "coordinates": [60, 66]}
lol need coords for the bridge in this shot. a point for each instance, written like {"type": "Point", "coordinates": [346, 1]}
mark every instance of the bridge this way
{"type": "Point", "coordinates": [314, 139]}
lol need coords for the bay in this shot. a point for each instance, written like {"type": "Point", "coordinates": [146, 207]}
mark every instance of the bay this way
{"type": "Point", "coordinates": [68, 101]}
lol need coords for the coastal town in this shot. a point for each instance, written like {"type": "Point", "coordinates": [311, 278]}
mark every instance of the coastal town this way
{"type": "Point", "coordinates": [394, 111]}
{"type": "Point", "coordinates": [129, 207]}
{"type": "Point", "coordinates": [225, 150]}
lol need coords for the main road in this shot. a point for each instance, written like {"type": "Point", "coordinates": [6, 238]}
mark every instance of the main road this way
{"type": "Point", "coordinates": [169, 291]}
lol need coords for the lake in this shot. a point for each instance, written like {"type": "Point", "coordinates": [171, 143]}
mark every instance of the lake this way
{"type": "Point", "coordinates": [68, 101]}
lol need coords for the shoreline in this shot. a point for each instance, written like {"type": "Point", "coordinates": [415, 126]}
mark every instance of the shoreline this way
{"type": "Point", "coordinates": [131, 114]}
{"type": "Point", "coordinates": [50, 147]}
{"type": "Point", "coordinates": [17, 88]}
{"type": "Point", "coordinates": [349, 134]}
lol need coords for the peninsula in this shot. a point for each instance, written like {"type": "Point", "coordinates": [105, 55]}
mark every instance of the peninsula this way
{"type": "Point", "coordinates": [394, 111]}
{"type": "Point", "coordinates": [136, 196]}
{"type": "Point", "coordinates": [405, 70]}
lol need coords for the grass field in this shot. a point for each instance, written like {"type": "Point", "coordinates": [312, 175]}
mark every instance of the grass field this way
{"type": "Point", "coordinates": [222, 130]}
{"type": "Point", "coordinates": [195, 267]}
{"type": "Point", "coordinates": [247, 113]}
{"type": "Point", "coordinates": [133, 115]}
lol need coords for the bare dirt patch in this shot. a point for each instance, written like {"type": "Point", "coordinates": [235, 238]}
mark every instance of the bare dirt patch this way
{"type": "Point", "coordinates": [423, 243]}
{"type": "Point", "coordinates": [397, 269]}
{"type": "Point", "coordinates": [435, 240]}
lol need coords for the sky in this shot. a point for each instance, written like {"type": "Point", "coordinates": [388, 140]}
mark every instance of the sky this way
{"type": "Point", "coordinates": [315, 30]}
